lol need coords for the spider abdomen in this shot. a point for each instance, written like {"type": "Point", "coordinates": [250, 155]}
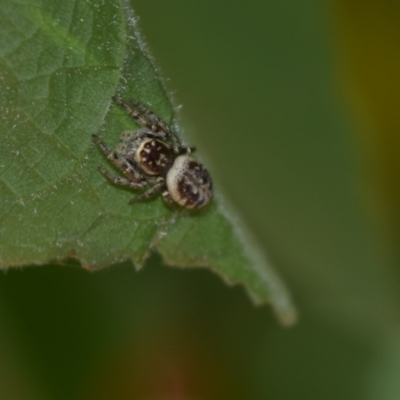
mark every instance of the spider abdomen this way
{"type": "Point", "coordinates": [189, 183]}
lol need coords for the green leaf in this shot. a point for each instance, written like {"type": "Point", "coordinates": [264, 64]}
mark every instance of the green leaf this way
{"type": "Point", "coordinates": [60, 64]}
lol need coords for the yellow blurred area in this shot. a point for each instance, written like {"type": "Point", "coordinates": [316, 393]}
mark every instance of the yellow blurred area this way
{"type": "Point", "coordinates": [367, 36]}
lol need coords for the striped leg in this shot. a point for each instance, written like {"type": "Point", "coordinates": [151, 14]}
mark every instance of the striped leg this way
{"type": "Point", "coordinates": [157, 188]}
{"type": "Point", "coordinates": [144, 116]}
{"type": "Point", "coordinates": [148, 119]}
{"type": "Point", "coordinates": [126, 168]}
{"type": "Point", "coordinates": [122, 181]}
{"type": "Point", "coordinates": [150, 116]}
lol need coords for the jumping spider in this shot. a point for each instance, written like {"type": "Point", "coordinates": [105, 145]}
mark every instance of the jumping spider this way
{"type": "Point", "coordinates": [154, 158]}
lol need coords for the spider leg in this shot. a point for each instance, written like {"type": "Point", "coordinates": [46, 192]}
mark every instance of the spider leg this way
{"type": "Point", "coordinates": [148, 119]}
{"type": "Point", "coordinates": [126, 168]}
{"type": "Point", "coordinates": [145, 117]}
{"type": "Point", "coordinates": [150, 116]}
{"type": "Point", "coordinates": [122, 181]}
{"type": "Point", "coordinates": [149, 193]}
{"type": "Point", "coordinates": [129, 136]}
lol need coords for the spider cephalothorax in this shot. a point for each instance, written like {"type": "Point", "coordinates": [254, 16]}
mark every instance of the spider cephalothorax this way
{"type": "Point", "coordinates": [154, 158]}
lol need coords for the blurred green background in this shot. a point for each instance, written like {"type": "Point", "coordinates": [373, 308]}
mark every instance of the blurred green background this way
{"type": "Point", "coordinates": [295, 105]}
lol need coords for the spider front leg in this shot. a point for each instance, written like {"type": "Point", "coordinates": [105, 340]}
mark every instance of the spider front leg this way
{"type": "Point", "coordinates": [144, 116]}
{"type": "Point", "coordinates": [148, 119]}
{"type": "Point", "coordinates": [157, 122]}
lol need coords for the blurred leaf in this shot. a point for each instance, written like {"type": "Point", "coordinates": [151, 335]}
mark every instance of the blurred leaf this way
{"type": "Point", "coordinates": [60, 63]}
